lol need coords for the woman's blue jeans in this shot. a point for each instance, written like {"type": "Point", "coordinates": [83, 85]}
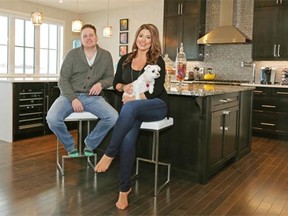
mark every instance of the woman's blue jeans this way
{"type": "Point", "coordinates": [62, 107]}
{"type": "Point", "coordinates": [126, 131]}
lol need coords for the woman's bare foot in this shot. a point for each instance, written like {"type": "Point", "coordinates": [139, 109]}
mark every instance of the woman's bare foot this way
{"type": "Point", "coordinates": [122, 202]}
{"type": "Point", "coordinates": [103, 164]}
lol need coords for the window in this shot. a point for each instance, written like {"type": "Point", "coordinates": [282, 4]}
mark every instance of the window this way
{"type": "Point", "coordinates": [34, 50]}
{"type": "Point", "coordinates": [49, 35]}
{"type": "Point", "coordinates": [4, 45]}
{"type": "Point", "coordinates": [24, 47]}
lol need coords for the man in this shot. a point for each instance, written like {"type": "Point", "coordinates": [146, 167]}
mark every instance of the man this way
{"type": "Point", "coordinates": [85, 71]}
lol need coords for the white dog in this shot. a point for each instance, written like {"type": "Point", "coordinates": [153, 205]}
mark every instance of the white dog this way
{"type": "Point", "coordinates": [146, 81]}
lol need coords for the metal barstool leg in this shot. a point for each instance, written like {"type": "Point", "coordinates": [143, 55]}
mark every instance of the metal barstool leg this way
{"type": "Point", "coordinates": [157, 163]}
{"type": "Point", "coordinates": [155, 160]}
{"type": "Point", "coordinates": [58, 162]}
{"type": "Point", "coordinates": [63, 165]}
{"type": "Point", "coordinates": [137, 167]}
{"type": "Point", "coordinates": [80, 138]}
{"type": "Point", "coordinates": [156, 147]}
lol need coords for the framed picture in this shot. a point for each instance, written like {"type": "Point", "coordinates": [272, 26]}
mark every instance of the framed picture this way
{"type": "Point", "coordinates": [123, 49]}
{"type": "Point", "coordinates": [123, 24]}
{"type": "Point", "coordinates": [123, 37]}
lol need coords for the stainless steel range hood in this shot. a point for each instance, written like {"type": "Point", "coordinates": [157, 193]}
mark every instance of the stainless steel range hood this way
{"type": "Point", "coordinates": [226, 33]}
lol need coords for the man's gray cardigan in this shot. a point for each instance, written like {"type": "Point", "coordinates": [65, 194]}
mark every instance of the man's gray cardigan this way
{"type": "Point", "coordinates": [77, 76]}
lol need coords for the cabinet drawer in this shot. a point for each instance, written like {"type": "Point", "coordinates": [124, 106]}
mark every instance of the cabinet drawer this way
{"type": "Point", "coordinates": [264, 121]}
{"type": "Point", "coordinates": [265, 104]}
{"type": "Point", "coordinates": [223, 101]}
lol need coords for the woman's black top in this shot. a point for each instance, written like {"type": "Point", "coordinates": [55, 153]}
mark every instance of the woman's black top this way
{"type": "Point", "coordinates": [128, 75]}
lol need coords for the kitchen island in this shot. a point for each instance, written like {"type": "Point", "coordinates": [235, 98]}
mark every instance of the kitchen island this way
{"type": "Point", "coordinates": [212, 128]}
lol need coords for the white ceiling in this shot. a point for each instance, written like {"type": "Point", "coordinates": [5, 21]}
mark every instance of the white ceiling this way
{"type": "Point", "coordinates": [87, 6]}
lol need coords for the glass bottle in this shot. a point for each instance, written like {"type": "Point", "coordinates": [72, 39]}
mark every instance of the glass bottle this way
{"type": "Point", "coordinates": [181, 65]}
{"type": "Point", "coordinates": [170, 70]}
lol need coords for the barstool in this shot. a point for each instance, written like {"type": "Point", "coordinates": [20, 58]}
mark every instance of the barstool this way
{"type": "Point", "coordinates": [79, 117]}
{"type": "Point", "coordinates": [156, 127]}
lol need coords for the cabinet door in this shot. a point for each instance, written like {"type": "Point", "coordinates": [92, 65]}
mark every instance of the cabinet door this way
{"type": "Point", "coordinates": [190, 7]}
{"type": "Point", "coordinates": [176, 7]}
{"type": "Point", "coordinates": [282, 33]}
{"type": "Point", "coordinates": [265, 33]}
{"type": "Point", "coordinates": [281, 124]}
{"type": "Point", "coordinates": [267, 3]}
{"type": "Point", "coordinates": [183, 22]}
{"type": "Point", "coordinates": [281, 101]}
{"type": "Point", "coordinates": [216, 139]}
{"type": "Point", "coordinates": [245, 123]}
{"type": "Point", "coordinates": [171, 39]}
{"type": "Point", "coordinates": [223, 136]}
{"type": "Point", "coordinates": [189, 37]}
{"type": "Point", "coordinates": [52, 92]}
{"type": "Point", "coordinates": [172, 8]}
{"type": "Point", "coordinates": [230, 132]}
{"type": "Point", "coordinates": [270, 31]}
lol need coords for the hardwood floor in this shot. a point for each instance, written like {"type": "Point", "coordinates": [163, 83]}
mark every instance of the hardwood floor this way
{"type": "Point", "coordinates": [31, 185]}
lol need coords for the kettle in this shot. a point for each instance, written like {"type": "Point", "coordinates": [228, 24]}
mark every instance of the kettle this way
{"type": "Point", "coordinates": [209, 75]}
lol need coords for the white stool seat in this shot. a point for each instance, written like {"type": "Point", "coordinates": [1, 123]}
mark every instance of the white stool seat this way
{"type": "Point", "coordinates": [81, 116]}
{"type": "Point", "coordinates": [156, 127]}
{"type": "Point", "coordinates": [78, 117]}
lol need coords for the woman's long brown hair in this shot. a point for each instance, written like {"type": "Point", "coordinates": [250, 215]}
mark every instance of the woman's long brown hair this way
{"type": "Point", "coordinates": [154, 51]}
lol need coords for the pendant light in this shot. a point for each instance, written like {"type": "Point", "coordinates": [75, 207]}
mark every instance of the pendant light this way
{"type": "Point", "coordinates": [37, 17]}
{"type": "Point", "coordinates": [107, 30]}
{"type": "Point", "coordinates": [77, 24]}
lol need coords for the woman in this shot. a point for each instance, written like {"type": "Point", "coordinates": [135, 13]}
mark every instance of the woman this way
{"type": "Point", "coordinates": [151, 107]}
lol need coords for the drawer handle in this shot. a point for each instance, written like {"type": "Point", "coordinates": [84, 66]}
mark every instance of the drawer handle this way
{"type": "Point", "coordinates": [282, 93]}
{"type": "Point", "coordinates": [226, 100]}
{"type": "Point", "coordinates": [257, 91]}
{"type": "Point", "coordinates": [267, 124]}
{"type": "Point", "coordinates": [268, 106]}
{"type": "Point", "coordinates": [275, 47]}
{"type": "Point", "coordinates": [226, 123]}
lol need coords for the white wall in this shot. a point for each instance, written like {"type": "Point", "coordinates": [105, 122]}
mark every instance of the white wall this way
{"type": "Point", "coordinates": [6, 114]}
{"type": "Point", "coordinates": [137, 14]}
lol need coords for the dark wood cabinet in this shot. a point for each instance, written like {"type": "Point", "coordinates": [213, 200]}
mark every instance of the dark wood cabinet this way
{"type": "Point", "coordinates": [267, 3]}
{"type": "Point", "coordinates": [245, 123]}
{"type": "Point", "coordinates": [184, 21]}
{"type": "Point", "coordinates": [270, 112]}
{"type": "Point", "coordinates": [223, 137]}
{"type": "Point", "coordinates": [270, 29]}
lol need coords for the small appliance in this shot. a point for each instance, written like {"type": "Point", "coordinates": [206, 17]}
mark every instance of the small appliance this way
{"type": "Point", "coordinates": [267, 75]}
